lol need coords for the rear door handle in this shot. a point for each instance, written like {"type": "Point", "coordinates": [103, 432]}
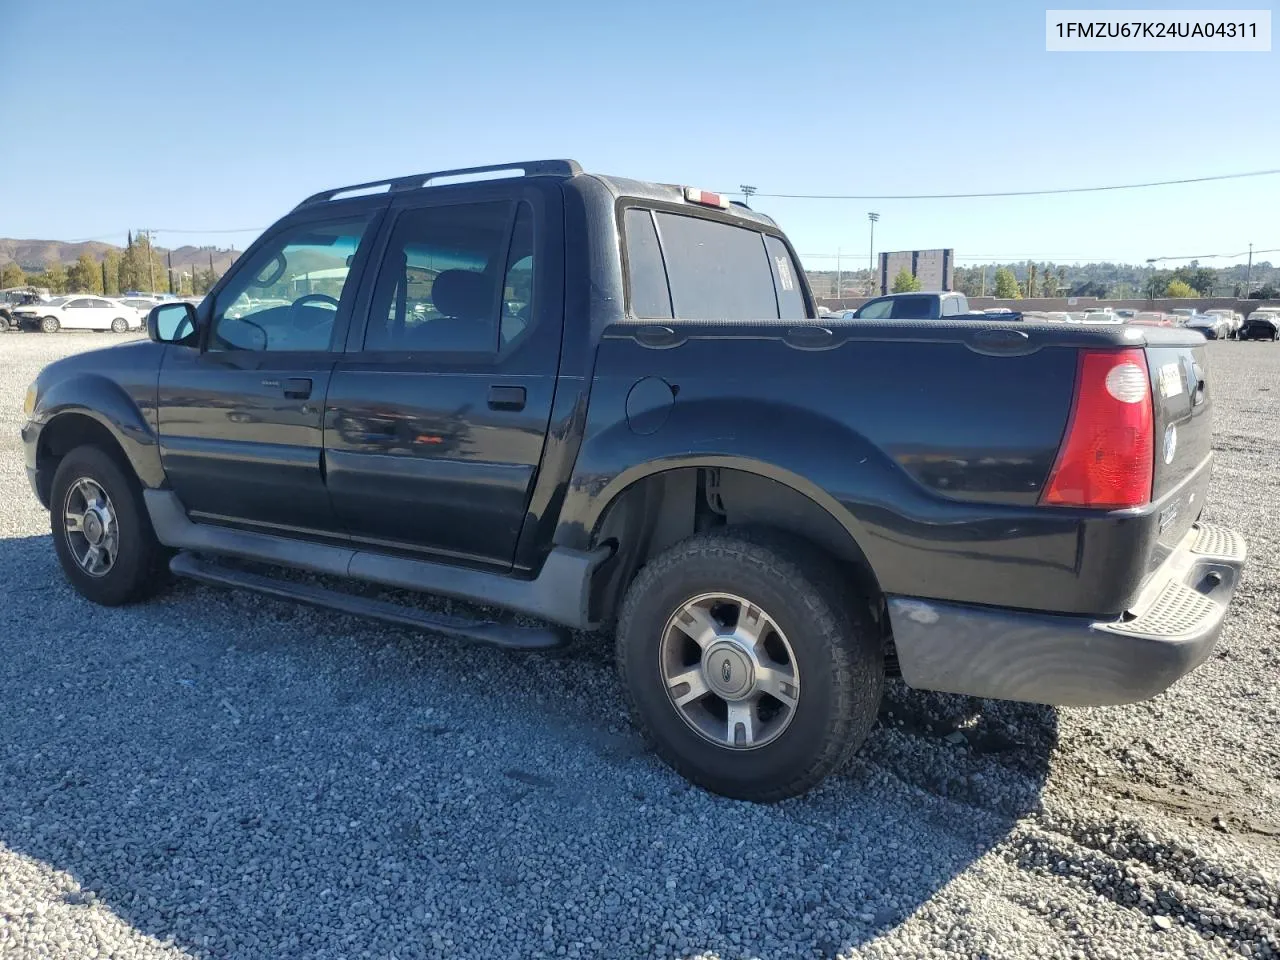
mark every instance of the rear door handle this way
{"type": "Point", "coordinates": [297, 388]}
{"type": "Point", "coordinates": [506, 398]}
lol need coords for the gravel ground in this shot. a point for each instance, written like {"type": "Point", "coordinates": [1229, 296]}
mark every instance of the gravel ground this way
{"type": "Point", "coordinates": [219, 775]}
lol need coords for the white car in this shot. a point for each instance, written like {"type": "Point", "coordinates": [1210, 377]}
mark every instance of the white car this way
{"type": "Point", "coordinates": [142, 305]}
{"type": "Point", "coordinates": [1234, 320]}
{"type": "Point", "coordinates": [78, 312]}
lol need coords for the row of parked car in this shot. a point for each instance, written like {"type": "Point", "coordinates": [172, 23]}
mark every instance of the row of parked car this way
{"type": "Point", "coordinates": [1217, 324]}
{"type": "Point", "coordinates": [25, 310]}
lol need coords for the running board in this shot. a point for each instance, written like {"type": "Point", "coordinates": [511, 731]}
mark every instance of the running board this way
{"type": "Point", "coordinates": [483, 631]}
{"type": "Point", "coordinates": [561, 591]}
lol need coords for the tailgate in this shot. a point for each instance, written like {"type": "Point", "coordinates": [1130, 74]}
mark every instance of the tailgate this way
{"type": "Point", "coordinates": [1182, 395]}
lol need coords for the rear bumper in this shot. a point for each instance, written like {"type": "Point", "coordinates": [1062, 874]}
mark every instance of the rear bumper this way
{"type": "Point", "coordinates": [1077, 661]}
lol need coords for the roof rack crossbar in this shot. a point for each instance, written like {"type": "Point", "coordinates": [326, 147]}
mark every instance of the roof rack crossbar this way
{"type": "Point", "coordinates": [528, 168]}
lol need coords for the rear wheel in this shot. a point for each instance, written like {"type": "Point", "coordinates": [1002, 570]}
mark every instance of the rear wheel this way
{"type": "Point", "coordinates": [5, 323]}
{"type": "Point", "coordinates": [119, 325]}
{"type": "Point", "coordinates": [749, 665]}
{"type": "Point", "coordinates": [50, 325]}
{"type": "Point", "coordinates": [101, 531]}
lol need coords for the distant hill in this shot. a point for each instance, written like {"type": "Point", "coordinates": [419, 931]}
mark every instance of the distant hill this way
{"type": "Point", "coordinates": [33, 255]}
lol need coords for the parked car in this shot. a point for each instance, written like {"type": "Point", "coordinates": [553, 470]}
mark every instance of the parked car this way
{"type": "Point", "coordinates": [767, 546]}
{"type": "Point", "coordinates": [1094, 313]}
{"type": "Point", "coordinates": [1212, 326]}
{"type": "Point", "coordinates": [914, 306]}
{"type": "Point", "coordinates": [10, 301]}
{"type": "Point", "coordinates": [1234, 320]}
{"type": "Point", "coordinates": [140, 305]}
{"type": "Point", "coordinates": [1182, 314]}
{"type": "Point", "coordinates": [1152, 318]}
{"type": "Point", "coordinates": [79, 312]}
{"type": "Point", "coordinates": [1262, 324]}
{"type": "Point", "coordinates": [1126, 315]}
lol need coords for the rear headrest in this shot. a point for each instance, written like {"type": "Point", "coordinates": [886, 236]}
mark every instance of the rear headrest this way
{"type": "Point", "coordinates": [462, 293]}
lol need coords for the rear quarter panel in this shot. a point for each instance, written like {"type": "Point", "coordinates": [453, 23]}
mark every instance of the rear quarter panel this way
{"type": "Point", "coordinates": [929, 442]}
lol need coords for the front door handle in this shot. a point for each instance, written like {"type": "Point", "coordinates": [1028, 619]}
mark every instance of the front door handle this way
{"type": "Point", "coordinates": [297, 388]}
{"type": "Point", "coordinates": [506, 398]}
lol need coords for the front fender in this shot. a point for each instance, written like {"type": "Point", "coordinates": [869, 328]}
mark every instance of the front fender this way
{"type": "Point", "coordinates": [112, 407]}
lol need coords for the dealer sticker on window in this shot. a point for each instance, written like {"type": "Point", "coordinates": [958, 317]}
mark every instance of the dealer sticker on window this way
{"type": "Point", "coordinates": [1171, 380]}
{"type": "Point", "coordinates": [784, 274]}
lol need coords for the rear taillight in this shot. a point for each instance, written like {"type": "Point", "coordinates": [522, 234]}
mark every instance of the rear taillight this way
{"type": "Point", "coordinates": [1106, 457]}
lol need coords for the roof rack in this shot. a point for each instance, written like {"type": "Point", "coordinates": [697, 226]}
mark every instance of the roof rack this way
{"type": "Point", "coordinates": [526, 168]}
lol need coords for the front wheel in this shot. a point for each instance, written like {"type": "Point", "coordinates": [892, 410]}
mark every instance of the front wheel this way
{"type": "Point", "coordinates": [5, 323]}
{"type": "Point", "coordinates": [50, 325]}
{"type": "Point", "coordinates": [749, 666]}
{"type": "Point", "coordinates": [119, 325]}
{"type": "Point", "coordinates": [101, 531]}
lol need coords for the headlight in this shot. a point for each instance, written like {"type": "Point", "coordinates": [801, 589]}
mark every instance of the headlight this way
{"type": "Point", "coordinates": [29, 401]}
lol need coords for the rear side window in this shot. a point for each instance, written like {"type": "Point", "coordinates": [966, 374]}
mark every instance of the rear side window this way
{"type": "Point", "coordinates": [649, 295]}
{"type": "Point", "coordinates": [913, 308]}
{"type": "Point", "coordinates": [716, 271]}
{"type": "Point", "coordinates": [876, 310]}
{"type": "Point", "coordinates": [786, 283]}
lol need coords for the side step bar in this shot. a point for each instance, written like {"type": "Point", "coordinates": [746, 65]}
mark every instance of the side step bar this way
{"type": "Point", "coordinates": [561, 591]}
{"type": "Point", "coordinates": [483, 631]}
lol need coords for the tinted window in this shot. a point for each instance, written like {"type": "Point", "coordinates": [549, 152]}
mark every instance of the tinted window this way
{"type": "Point", "coordinates": [913, 308]}
{"type": "Point", "coordinates": [100, 304]}
{"type": "Point", "coordinates": [439, 285]}
{"type": "Point", "coordinates": [517, 289]}
{"type": "Point", "coordinates": [716, 271]}
{"type": "Point", "coordinates": [77, 304]}
{"type": "Point", "coordinates": [287, 297]}
{"type": "Point", "coordinates": [786, 280]}
{"type": "Point", "coordinates": [876, 310]}
{"type": "Point", "coordinates": [648, 277]}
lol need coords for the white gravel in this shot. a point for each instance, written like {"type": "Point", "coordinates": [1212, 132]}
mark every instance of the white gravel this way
{"type": "Point", "coordinates": [218, 775]}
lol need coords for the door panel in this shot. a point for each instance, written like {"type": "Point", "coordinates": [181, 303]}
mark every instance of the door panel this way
{"type": "Point", "coordinates": [241, 416]}
{"type": "Point", "coordinates": [235, 448]}
{"type": "Point", "coordinates": [437, 416]}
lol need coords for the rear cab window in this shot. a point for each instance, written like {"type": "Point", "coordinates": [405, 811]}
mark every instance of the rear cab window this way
{"type": "Point", "coordinates": [688, 267]}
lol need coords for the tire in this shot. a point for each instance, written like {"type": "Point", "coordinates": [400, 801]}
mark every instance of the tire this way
{"type": "Point", "coordinates": [139, 568]}
{"type": "Point", "coordinates": [834, 649]}
{"type": "Point", "coordinates": [119, 325]}
{"type": "Point", "coordinates": [5, 323]}
{"type": "Point", "coordinates": [50, 325]}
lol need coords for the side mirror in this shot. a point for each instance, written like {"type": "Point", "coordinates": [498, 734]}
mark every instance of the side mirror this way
{"type": "Point", "coordinates": [171, 322]}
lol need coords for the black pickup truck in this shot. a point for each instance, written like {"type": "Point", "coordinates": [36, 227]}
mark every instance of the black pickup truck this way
{"type": "Point", "coordinates": [600, 402]}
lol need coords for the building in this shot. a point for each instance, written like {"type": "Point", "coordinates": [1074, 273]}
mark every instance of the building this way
{"type": "Point", "coordinates": [935, 269]}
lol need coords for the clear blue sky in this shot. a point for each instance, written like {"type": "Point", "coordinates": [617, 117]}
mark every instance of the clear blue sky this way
{"type": "Point", "coordinates": [199, 117]}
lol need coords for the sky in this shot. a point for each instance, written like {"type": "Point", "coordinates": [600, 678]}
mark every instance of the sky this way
{"type": "Point", "coordinates": [207, 122]}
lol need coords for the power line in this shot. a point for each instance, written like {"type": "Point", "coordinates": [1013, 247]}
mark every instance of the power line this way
{"type": "Point", "coordinates": [1016, 193]}
{"type": "Point", "coordinates": [111, 236]}
{"type": "Point", "coordinates": [1009, 258]}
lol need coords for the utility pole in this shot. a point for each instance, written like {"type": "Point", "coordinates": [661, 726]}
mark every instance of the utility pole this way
{"type": "Point", "coordinates": [170, 262]}
{"type": "Point", "coordinates": [747, 191]}
{"type": "Point", "coordinates": [984, 281]}
{"type": "Point", "coordinates": [104, 278]}
{"type": "Point", "coordinates": [871, 257]}
{"type": "Point", "coordinates": [1248, 277]}
{"type": "Point", "coordinates": [839, 279]}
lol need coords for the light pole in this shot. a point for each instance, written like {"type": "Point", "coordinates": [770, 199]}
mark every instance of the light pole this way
{"type": "Point", "coordinates": [747, 191]}
{"type": "Point", "coordinates": [1151, 275]}
{"type": "Point", "coordinates": [871, 257]}
{"type": "Point", "coordinates": [1248, 276]}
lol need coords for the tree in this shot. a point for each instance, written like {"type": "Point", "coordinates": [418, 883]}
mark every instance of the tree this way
{"type": "Point", "coordinates": [141, 267]}
{"type": "Point", "coordinates": [1179, 288]}
{"type": "Point", "coordinates": [1050, 282]}
{"type": "Point", "coordinates": [85, 276]}
{"type": "Point", "coordinates": [112, 266]}
{"type": "Point", "coordinates": [1007, 285]}
{"type": "Point", "coordinates": [1268, 292]}
{"type": "Point", "coordinates": [12, 276]}
{"type": "Point", "coordinates": [904, 282]}
{"type": "Point", "coordinates": [1031, 279]}
{"type": "Point", "coordinates": [55, 278]}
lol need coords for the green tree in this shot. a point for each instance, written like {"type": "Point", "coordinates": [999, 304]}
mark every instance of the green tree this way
{"type": "Point", "coordinates": [1007, 285]}
{"type": "Point", "coordinates": [904, 282]}
{"type": "Point", "coordinates": [85, 275]}
{"type": "Point", "coordinates": [112, 265]}
{"type": "Point", "coordinates": [1050, 283]}
{"type": "Point", "coordinates": [55, 277]}
{"type": "Point", "coordinates": [12, 276]}
{"type": "Point", "coordinates": [1179, 288]}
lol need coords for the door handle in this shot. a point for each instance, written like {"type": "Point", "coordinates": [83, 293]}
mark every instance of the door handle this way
{"type": "Point", "coordinates": [297, 388]}
{"type": "Point", "coordinates": [506, 398]}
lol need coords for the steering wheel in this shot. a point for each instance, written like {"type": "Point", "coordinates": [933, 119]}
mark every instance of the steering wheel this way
{"type": "Point", "coordinates": [317, 297]}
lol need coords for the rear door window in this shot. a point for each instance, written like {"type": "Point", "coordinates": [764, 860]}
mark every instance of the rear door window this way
{"type": "Point", "coordinates": [716, 271]}
{"type": "Point", "coordinates": [876, 310]}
